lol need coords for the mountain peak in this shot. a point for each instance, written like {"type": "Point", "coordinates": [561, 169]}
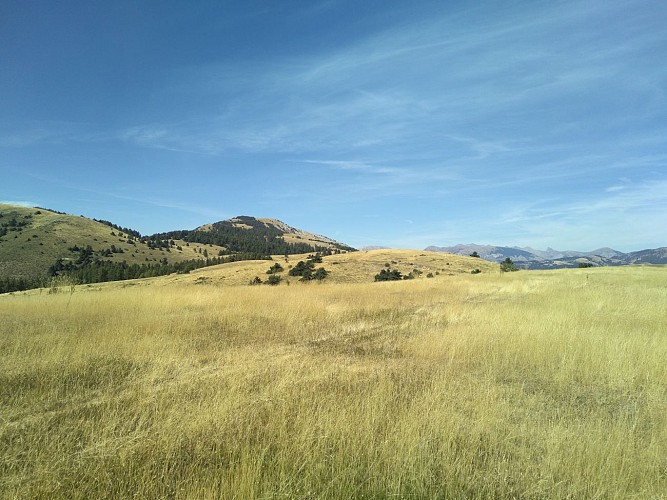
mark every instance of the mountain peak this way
{"type": "Point", "coordinates": [267, 235]}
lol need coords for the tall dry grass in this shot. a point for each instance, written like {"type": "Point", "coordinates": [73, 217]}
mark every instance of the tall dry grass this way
{"type": "Point", "coordinates": [529, 385]}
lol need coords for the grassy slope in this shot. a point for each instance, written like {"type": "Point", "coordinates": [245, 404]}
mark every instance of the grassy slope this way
{"type": "Point", "coordinates": [31, 251]}
{"type": "Point", "coordinates": [354, 267]}
{"type": "Point", "coordinates": [363, 266]}
{"type": "Point", "coordinates": [526, 385]}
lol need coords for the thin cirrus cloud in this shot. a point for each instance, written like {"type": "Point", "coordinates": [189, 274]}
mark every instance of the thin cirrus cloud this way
{"type": "Point", "coordinates": [648, 196]}
{"type": "Point", "coordinates": [383, 90]}
{"type": "Point", "coordinates": [536, 117]}
{"type": "Point", "coordinates": [21, 203]}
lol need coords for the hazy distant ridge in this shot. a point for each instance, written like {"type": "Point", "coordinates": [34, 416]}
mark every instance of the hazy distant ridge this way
{"type": "Point", "coordinates": [530, 258]}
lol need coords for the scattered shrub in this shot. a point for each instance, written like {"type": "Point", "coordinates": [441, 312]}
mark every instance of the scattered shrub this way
{"type": "Point", "coordinates": [508, 266]}
{"type": "Point", "coordinates": [273, 279]}
{"type": "Point", "coordinates": [275, 268]}
{"type": "Point", "coordinates": [388, 275]}
{"type": "Point", "coordinates": [307, 269]}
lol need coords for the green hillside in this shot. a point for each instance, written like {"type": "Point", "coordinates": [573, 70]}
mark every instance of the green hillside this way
{"type": "Point", "coordinates": [34, 239]}
{"type": "Point", "coordinates": [37, 244]}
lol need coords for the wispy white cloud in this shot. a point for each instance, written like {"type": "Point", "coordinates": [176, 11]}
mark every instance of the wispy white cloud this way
{"type": "Point", "coordinates": [405, 87]}
{"type": "Point", "coordinates": [530, 115]}
{"type": "Point", "coordinates": [21, 203]}
{"type": "Point", "coordinates": [368, 180]}
{"type": "Point", "coordinates": [39, 132]}
{"type": "Point", "coordinates": [649, 195]}
{"type": "Point", "coordinates": [634, 212]}
{"type": "Point", "coordinates": [28, 138]}
{"type": "Point", "coordinates": [109, 193]}
{"type": "Point", "coordinates": [204, 211]}
{"type": "Point", "coordinates": [358, 166]}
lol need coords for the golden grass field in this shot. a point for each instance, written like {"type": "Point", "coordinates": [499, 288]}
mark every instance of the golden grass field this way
{"type": "Point", "coordinates": [353, 267]}
{"type": "Point", "coordinates": [526, 385]}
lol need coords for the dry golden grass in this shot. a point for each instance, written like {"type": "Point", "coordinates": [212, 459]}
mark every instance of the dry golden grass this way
{"type": "Point", "coordinates": [355, 267]}
{"type": "Point", "coordinates": [527, 385]}
{"type": "Point", "coordinates": [360, 267]}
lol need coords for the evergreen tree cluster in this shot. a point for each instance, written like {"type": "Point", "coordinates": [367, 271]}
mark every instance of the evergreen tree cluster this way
{"type": "Point", "coordinates": [52, 211]}
{"type": "Point", "coordinates": [8, 284]}
{"type": "Point", "coordinates": [507, 266]}
{"type": "Point", "coordinates": [128, 231]}
{"type": "Point", "coordinates": [13, 224]}
{"type": "Point", "coordinates": [275, 268]}
{"type": "Point", "coordinates": [90, 268]}
{"type": "Point", "coordinates": [307, 269]}
{"type": "Point", "coordinates": [158, 243]}
{"type": "Point", "coordinates": [103, 270]}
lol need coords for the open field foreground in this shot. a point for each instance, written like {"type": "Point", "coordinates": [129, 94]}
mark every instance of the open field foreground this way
{"type": "Point", "coordinates": [527, 385]}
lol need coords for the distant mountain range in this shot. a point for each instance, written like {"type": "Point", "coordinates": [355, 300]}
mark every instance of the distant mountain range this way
{"type": "Point", "coordinates": [529, 258]}
{"type": "Point", "coordinates": [373, 247]}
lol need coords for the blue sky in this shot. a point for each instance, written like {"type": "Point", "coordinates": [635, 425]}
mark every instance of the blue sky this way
{"type": "Point", "coordinates": [404, 124]}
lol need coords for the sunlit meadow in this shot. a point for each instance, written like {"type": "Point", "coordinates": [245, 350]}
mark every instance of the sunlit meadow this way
{"type": "Point", "coordinates": [525, 385]}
